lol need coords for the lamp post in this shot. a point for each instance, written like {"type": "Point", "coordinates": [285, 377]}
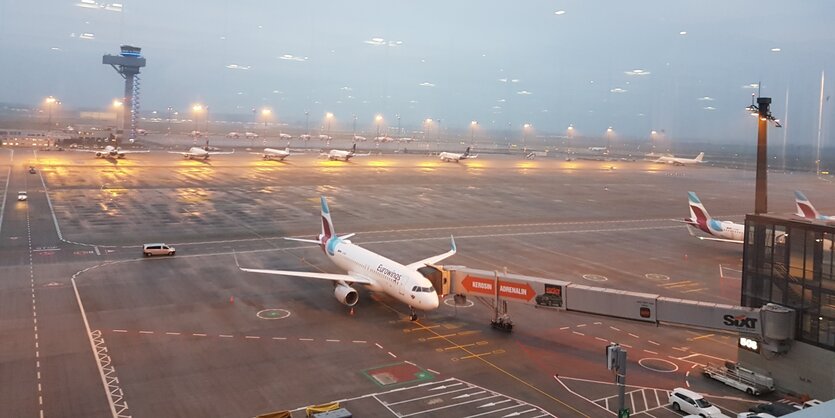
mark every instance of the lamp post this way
{"type": "Point", "coordinates": [378, 119]}
{"type": "Point", "coordinates": [354, 129]}
{"type": "Point", "coordinates": [609, 131]}
{"type": "Point", "coordinates": [307, 123]}
{"type": "Point", "coordinates": [196, 110]}
{"type": "Point", "coordinates": [525, 128]}
{"type": "Point", "coordinates": [328, 117]}
{"type": "Point", "coordinates": [170, 109]}
{"type": "Point", "coordinates": [50, 102]}
{"type": "Point", "coordinates": [117, 106]}
{"type": "Point", "coordinates": [473, 124]}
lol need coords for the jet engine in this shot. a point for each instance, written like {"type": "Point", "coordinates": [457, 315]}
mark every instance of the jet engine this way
{"type": "Point", "coordinates": [346, 295]}
{"type": "Point", "coordinates": [98, 155]}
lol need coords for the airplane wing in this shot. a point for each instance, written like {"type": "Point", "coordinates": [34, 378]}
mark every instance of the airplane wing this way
{"type": "Point", "coordinates": [437, 258]}
{"type": "Point", "coordinates": [721, 240]}
{"type": "Point", "coordinates": [180, 153]}
{"type": "Point", "coordinates": [221, 152]}
{"type": "Point", "coordinates": [311, 275]}
{"type": "Point", "coordinates": [313, 241]}
{"type": "Point", "coordinates": [86, 150]}
{"type": "Point", "coordinates": [132, 151]}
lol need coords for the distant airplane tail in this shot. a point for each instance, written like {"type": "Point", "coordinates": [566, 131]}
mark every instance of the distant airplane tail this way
{"type": "Point", "coordinates": [804, 206]}
{"type": "Point", "coordinates": [700, 157]}
{"type": "Point", "coordinates": [467, 152]}
{"type": "Point", "coordinates": [698, 214]}
{"type": "Point", "coordinates": [327, 224]}
{"type": "Point", "coordinates": [354, 149]}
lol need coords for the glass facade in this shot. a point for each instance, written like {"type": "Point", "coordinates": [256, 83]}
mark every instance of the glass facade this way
{"type": "Point", "coordinates": [790, 262]}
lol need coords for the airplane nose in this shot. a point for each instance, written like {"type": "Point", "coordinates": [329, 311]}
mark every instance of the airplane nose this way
{"type": "Point", "coordinates": [433, 301]}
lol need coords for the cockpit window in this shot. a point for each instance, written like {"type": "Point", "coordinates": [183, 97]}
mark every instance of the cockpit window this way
{"type": "Point", "coordinates": [429, 289]}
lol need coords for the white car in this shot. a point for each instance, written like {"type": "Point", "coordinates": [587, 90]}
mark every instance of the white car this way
{"type": "Point", "coordinates": [754, 415]}
{"type": "Point", "coordinates": [21, 196]}
{"type": "Point", "coordinates": [684, 400]}
{"type": "Point", "coordinates": [157, 249]}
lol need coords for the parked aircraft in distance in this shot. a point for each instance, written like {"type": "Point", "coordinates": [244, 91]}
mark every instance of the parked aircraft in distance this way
{"type": "Point", "coordinates": [342, 155]}
{"type": "Point", "coordinates": [806, 210]}
{"type": "Point", "coordinates": [681, 161]}
{"type": "Point", "coordinates": [274, 154]}
{"type": "Point", "coordinates": [200, 153]}
{"type": "Point", "coordinates": [109, 152]}
{"type": "Point", "coordinates": [725, 231]}
{"type": "Point", "coordinates": [456, 157]}
{"type": "Point", "coordinates": [409, 283]}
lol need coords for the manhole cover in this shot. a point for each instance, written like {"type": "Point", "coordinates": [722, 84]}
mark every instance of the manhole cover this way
{"type": "Point", "coordinates": [451, 302]}
{"type": "Point", "coordinates": [273, 314]}
{"type": "Point", "coordinates": [657, 277]}
{"type": "Point", "coordinates": [595, 277]}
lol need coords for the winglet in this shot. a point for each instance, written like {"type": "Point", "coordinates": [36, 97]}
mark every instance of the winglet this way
{"type": "Point", "coordinates": [452, 243]}
{"type": "Point", "coordinates": [235, 254]}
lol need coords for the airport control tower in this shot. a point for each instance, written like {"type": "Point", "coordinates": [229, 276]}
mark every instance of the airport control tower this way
{"type": "Point", "coordinates": [128, 63]}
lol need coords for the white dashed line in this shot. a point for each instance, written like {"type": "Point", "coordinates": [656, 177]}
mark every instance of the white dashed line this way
{"type": "Point", "coordinates": [252, 337]}
{"type": "Point", "coordinates": [305, 339]}
{"type": "Point", "coordinates": [564, 328]}
{"type": "Point", "coordinates": [651, 352]}
{"type": "Point", "coordinates": [392, 354]}
{"type": "Point", "coordinates": [614, 329]}
{"type": "Point", "coordinates": [378, 346]}
{"type": "Point", "coordinates": [601, 339]}
{"type": "Point", "coordinates": [279, 338]}
{"type": "Point", "coordinates": [225, 336]}
{"type": "Point", "coordinates": [653, 342]}
{"type": "Point", "coordinates": [146, 332]}
{"type": "Point", "coordinates": [199, 334]}
{"type": "Point", "coordinates": [578, 333]}
{"type": "Point", "coordinates": [633, 335]}
{"type": "Point", "coordinates": [359, 341]}
{"type": "Point", "coordinates": [172, 333]}
{"type": "Point", "coordinates": [332, 341]}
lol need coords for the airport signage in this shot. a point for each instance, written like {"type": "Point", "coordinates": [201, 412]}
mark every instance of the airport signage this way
{"type": "Point", "coordinates": [507, 288]}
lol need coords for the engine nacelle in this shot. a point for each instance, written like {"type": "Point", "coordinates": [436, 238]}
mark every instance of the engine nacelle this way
{"type": "Point", "coordinates": [346, 295]}
{"type": "Point", "coordinates": [98, 155]}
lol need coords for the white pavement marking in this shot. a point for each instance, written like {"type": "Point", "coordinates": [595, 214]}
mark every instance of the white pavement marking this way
{"type": "Point", "coordinates": [392, 354]}
{"type": "Point", "coordinates": [633, 335]}
{"type": "Point", "coordinates": [5, 191]}
{"type": "Point", "coordinates": [51, 209]}
{"type": "Point", "coordinates": [653, 342]}
{"type": "Point", "coordinates": [104, 381]}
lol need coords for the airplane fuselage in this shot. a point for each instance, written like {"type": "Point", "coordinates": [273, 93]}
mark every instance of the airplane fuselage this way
{"type": "Point", "coordinates": [275, 154]}
{"type": "Point", "coordinates": [387, 276]}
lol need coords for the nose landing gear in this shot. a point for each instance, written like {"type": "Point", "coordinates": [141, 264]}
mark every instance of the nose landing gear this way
{"type": "Point", "coordinates": [413, 316]}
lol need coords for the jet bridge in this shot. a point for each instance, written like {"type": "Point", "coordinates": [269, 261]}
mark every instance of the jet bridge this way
{"type": "Point", "coordinates": [772, 325]}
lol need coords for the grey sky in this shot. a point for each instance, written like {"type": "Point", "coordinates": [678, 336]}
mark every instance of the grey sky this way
{"type": "Point", "coordinates": [499, 62]}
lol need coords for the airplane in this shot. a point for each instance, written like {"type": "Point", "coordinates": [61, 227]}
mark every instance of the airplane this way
{"type": "Point", "coordinates": [285, 136]}
{"type": "Point", "coordinates": [359, 138]}
{"type": "Point", "coordinates": [806, 210]}
{"type": "Point", "coordinates": [198, 153]}
{"type": "Point", "coordinates": [598, 149]}
{"type": "Point", "coordinates": [457, 157]}
{"type": "Point", "coordinates": [383, 139]}
{"type": "Point", "coordinates": [110, 152]}
{"type": "Point", "coordinates": [681, 161]}
{"type": "Point", "coordinates": [142, 132]}
{"type": "Point", "coordinates": [235, 135]}
{"type": "Point", "coordinates": [406, 283]}
{"type": "Point", "coordinates": [195, 134]}
{"type": "Point", "coordinates": [250, 135]}
{"type": "Point", "coordinates": [324, 137]}
{"type": "Point", "coordinates": [304, 137]}
{"type": "Point", "coordinates": [342, 155]}
{"type": "Point", "coordinates": [274, 154]}
{"type": "Point", "coordinates": [406, 139]}
{"type": "Point", "coordinates": [724, 231]}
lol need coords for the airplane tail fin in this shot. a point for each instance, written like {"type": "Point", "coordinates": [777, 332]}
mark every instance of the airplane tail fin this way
{"type": "Point", "coordinates": [804, 206]}
{"type": "Point", "coordinates": [700, 157]}
{"type": "Point", "coordinates": [327, 223]}
{"type": "Point", "coordinates": [354, 148]}
{"type": "Point", "coordinates": [698, 213]}
{"type": "Point", "coordinates": [467, 152]}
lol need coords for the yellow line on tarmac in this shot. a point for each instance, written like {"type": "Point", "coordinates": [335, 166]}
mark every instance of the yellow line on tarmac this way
{"type": "Point", "coordinates": [701, 336]}
{"type": "Point", "coordinates": [507, 373]}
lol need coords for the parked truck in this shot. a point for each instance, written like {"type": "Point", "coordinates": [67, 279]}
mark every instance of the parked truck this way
{"type": "Point", "coordinates": [734, 375]}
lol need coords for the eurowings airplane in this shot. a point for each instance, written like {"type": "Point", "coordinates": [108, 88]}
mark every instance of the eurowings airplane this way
{"type": "Point", "coordinates": [806, 210]}
{"type": "Point", "coordinates": [285, 136]}
{"type": "Point", "coordinates": [198, 153]}
{"type": "Point", "coordinates": [681, 161]}
{"type": "Point", "coordinates": [250, 135]}
{"type": "Point", "coordinates": [274, 154]}
{"type": "Point", "coordinates": [359, 138]}
{"type": "Point", "coordinates": [110, 152]}
{"type": "Point", "coordinates": [406, 283]}
{"type": "Point", "coordinates": [342, 155]}
{"type": "Point", "coordinates": [725, 231]}
{"type": "Point", "coordinates": [456, 157]}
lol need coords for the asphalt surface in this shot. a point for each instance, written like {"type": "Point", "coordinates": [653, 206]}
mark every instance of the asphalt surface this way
{"type": "Point", "coordinates": [192, 335]}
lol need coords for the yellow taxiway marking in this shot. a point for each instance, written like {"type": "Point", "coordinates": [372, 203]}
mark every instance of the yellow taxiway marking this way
{"type": "Point", "coordinates": [503, 371]}
{"type": "Point", "coordinates": [421, 328]}
{"type": "Point", "coordinates": [677, 284]}
{"type": "Point", "coordinates": [694, 290]}
{"type": "Point", "coordinates": [700, 337]}
{"type": "Point", "coordinates": [461, 346]}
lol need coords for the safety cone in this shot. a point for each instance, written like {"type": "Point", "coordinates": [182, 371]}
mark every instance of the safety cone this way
{"type": "Point", "coordinates": [351, 312]}
{"type": "Point", "coordinates": [232, 299]}
{"type": "Point", "coordinates": [685, 257]}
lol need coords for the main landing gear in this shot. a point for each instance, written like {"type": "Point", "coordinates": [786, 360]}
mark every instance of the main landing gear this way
{"type": "Point", "coordinates": [413, 315]}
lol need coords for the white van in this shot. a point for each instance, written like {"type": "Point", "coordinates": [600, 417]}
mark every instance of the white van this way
{"type": "Point", "coordinates": [157, 249]}
{"type": "Point", "coordinates": [685, 400]}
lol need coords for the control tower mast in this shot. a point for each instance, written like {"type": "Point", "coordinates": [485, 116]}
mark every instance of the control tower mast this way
{"type": "Point", "coordinates": [127, 64]}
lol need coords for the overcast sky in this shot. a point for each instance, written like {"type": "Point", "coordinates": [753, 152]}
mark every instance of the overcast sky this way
{"type": "Point", "coordinates": [682, 67]}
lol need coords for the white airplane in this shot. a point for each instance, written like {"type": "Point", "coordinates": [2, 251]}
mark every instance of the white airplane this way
{"type": "Point", "coordinates": [285, 136]}
{"type": "Point", "coordinates": [195, 134]}
{"type": "Point", "coordinates": [406, 139]}
{"type": "Point", "coordinates": [725, 231]}
{"type": "Point", "coordinates": [274, 154]}
{"type": "Point", "coordinates": [250, 135]}
{"type": "Point", "coordinates": [110, 152]}
{"type": "Point", "coordinates": [200, 153]}
{"type": "Point", "coordinates": [342, 155]}
{"type": "Point", "coordinates": [406, 283]}
{"type": "Point", "coordinates": [681, 161]}
{"type": "Point", "coordinates": [324, 137]}
{"type": "Point", "coordinates": [304, 137]}
{"type": "Point", "coordinates": [598, 149]}
{"type": "Point", "coordinates": [142, 132]}
{"type": "Point", "coordinates": [382, 139]}
{"type": "Point", "coordinates": [235, 135]}
{"type": "Point", "coordinates": [457, 157]}
{"type": "Point", "coordinates": [359, 138]}
{"type": "Point", "coordinates": [806, 210]}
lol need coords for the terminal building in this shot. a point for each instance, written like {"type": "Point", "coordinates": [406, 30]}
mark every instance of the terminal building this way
{"type": "Point", "coordinates": [789, 261]}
